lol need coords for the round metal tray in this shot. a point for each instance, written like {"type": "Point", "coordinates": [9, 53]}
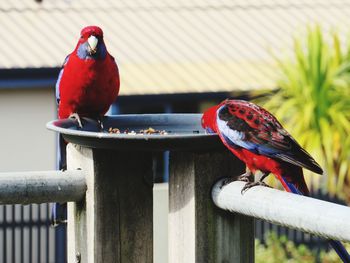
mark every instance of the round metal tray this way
{"type": "Point", "coordinates": [183, 132]}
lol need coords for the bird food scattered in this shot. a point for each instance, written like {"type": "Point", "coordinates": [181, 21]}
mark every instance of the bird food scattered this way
{"type": "Point", "coordinates": [148, 131]}
{"type": "Point", "coordinates": [114, 130]}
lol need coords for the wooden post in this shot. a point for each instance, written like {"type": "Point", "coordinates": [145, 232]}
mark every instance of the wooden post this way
{"type": "Point", "coordinates": [199, 231]}
{"type": "Point", "coordinates": [114, 222]}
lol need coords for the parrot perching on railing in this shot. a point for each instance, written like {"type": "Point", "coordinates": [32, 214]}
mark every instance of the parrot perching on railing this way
{"type": "Point", "coordinates": [87, 85]}
{"type": "Point", "coordinates": [257, 138]}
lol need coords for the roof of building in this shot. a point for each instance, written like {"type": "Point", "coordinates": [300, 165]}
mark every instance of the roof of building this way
{"type": "Point", "coordinates": [166, 46]}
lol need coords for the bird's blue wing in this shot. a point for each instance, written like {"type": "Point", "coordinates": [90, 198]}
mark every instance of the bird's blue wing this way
{"type": "Point", "coordinates": [57, 87]}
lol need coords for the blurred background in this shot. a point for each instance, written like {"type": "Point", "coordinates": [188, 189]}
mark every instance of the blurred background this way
{"type": "Point", "coordinates": [293, 57]}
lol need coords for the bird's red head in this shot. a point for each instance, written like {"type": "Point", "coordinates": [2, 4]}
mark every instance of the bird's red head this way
{"type": "Point", "coordinates": [91, 44]}
{"type": "Point", "coordinates": [209, 119]}
{"type": "Point", "coordinates": [88, 31]}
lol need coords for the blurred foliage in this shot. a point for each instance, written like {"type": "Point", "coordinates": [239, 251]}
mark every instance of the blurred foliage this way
{"type": "Point", "coordinates": [313, 104]}
{"type": "Point", "coordinates": [280, 249]}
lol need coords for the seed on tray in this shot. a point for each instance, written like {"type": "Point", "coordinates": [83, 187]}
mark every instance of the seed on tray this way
{"type": "Point", "coordinates": [150, 130]}
{"type": "Point", "coordinates": [114, 130]}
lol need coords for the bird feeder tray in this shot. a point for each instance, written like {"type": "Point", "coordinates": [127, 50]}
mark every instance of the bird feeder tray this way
{"type": "Point", "coordinates": [146, 132]}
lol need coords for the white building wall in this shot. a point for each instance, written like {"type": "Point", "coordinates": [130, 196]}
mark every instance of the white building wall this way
{"type": "Point", "coordinates": [25, 143]}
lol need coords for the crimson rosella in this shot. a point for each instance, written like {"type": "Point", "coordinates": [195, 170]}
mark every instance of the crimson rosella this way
{"type": "Point", "coordinates": [89, 81]}
{"type": "Point", "coordinates": [257, 138]}
{"type": "Point", "coordinates": [87, 85]}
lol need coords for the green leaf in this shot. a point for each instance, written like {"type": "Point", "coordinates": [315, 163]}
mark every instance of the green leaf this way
{"type": "Point", "coordinates": [313, 103]}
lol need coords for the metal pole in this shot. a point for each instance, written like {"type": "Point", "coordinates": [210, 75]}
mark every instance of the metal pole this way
{"type": "Point", "coordinates": [41, 187]}
{"type": "Point", "coordinates": [311, 215]}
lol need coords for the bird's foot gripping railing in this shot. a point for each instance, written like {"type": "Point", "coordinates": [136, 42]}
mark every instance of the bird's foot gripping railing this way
{"type": "Point", "coordinates": [110, 212]}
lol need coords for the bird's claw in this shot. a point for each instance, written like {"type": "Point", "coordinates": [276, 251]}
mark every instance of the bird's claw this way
{"type": "Point", "coordinates": [226, 181]}
{"type": "Point", "coordinates": [244, 178]}
{"type": "Point", "coordinates": [75, 116]}
{"type": "Point", "coordinates": [252, 184]}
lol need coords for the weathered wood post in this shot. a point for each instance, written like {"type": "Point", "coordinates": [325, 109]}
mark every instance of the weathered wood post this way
{"type": "Point", "coordinates": [113, 223]}
{"type": "Point", "coordinates": [198, 230]}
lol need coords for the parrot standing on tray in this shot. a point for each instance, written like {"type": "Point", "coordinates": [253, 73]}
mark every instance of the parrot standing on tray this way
{"type": "Point", "coordinates": [257, 138]}
{"type": "Point", "coordinates": [87, 85]}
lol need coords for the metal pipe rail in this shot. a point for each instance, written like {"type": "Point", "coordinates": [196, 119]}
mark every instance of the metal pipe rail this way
{"type": "Point", "coordinates": [41, 187]}
{"type": "Point", "coordinates": [311, 215]}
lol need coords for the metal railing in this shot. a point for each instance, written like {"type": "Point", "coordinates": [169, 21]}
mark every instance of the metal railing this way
{"type": "Point", "coordinates": [311, 215]}
{"type": "Point", "coordinates": [25, 232]}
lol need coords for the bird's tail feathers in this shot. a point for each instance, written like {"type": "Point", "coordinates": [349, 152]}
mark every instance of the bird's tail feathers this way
{"type": "Point", "coordinates": [292, 189]}
{"type": "Point", "coordinates": [58, 214]}
{"type": "Point", "coordinates": [61, 153]}
{"type": "Point", "coordinates": [299, 188]}
{"type": "Point", "coordinates": [59, 211]}
{"type": "Point", "coordinates": [340, 249]}
{"type": "Point", "coordinates": [294, 180]}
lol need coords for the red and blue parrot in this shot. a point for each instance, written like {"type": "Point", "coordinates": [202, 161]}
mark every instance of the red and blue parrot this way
{"type": "Point", "coordinates": [89, 80]}
{"type": "Point", "coordinates": [257, 138]}
{"type": "Point", "coordinates": [87, 85]}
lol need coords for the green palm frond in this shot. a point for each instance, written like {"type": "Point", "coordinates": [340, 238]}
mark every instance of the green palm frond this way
{"type": "Point", "coordinates": [313, 103]}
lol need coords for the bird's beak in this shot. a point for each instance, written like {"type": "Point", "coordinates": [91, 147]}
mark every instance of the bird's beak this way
{"type": "Point", "coordinates": [92, 41]}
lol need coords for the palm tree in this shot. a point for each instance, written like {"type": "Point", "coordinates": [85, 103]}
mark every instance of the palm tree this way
{"type": "Point", "coordinates": [313, 103]}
